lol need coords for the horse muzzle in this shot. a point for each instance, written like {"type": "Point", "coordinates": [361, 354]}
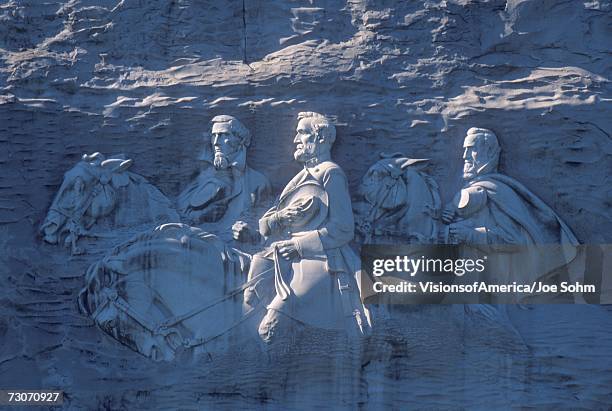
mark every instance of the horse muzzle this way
{"type": "Point", "coordinates": [52, 227]}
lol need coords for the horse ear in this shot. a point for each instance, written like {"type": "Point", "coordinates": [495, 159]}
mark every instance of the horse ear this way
{"type": "Point", "coordinates": [116, 165]}
{"type": "Point", "coordinates": [412, 161]}
{"type": "Point", "coordinates": [124, 165]}
{"type": "Point", "coordinates": [96, 157]}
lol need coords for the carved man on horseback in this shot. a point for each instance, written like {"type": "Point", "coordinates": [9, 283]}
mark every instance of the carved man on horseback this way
{"type": "Point", "coordinates": [176, 287]}
{"type": "Point", "coordinates": [312, 224]}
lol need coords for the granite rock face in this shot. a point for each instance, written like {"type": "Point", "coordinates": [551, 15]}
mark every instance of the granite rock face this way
{"type": "Point", "coordinates": [144, 78]}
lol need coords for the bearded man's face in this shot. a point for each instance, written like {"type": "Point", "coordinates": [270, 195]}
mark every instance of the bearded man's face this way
{"type": "Point", "coordinates": [475, 156]}
{"type": "Point", "coordinates": [225, 145]}
{"type": "Point", "coordinates": [306, 144]}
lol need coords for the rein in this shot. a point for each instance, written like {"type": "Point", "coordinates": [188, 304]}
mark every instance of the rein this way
{"type": "Point", "coordinates": [372, 213]}
{"type": "Point", "coordinates": [166, 327]}
{"type": "Point", "coordinates": [77, 216]}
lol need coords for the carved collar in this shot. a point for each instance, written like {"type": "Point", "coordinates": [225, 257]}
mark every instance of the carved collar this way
{"type": "Point", "coordinates": [239, 163]}
{"type": "Point", "coordinates": [315, 161]}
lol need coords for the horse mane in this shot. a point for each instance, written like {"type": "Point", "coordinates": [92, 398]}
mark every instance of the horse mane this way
{"type": "Point", "coordinates": [434, 189]}
{"type": "Point", "coordinates": [153, 206]}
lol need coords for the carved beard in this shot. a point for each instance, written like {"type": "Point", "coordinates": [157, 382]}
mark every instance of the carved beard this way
{"type": "Point", "coordinates": [221, 162]}
{"type": "Point", "coordinates": [307, 152]}
{"type": "Point", "coordinates": [469, 169]}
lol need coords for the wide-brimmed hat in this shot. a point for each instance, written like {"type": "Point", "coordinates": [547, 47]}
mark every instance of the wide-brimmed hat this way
{"type": "Point", "coordinates": [313, 199]}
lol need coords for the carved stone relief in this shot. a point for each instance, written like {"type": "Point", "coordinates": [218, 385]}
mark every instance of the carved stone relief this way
{"type": "Point", "coordinates": [304, 239]}
{"type": "Point", "coordinates": [493, 208]}
{"type": "Point", "coordinates": [399, 201]}
{"type": "Point", "coordinates": [226, 186]}
{"type": "Point", "coordinates": [100, 197]}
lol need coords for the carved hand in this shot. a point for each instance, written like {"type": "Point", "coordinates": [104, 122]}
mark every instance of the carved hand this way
{"type": "Point", "coordinates": [287, 249]}
{"type": "Point", "coordinates": [244, 233]}
{"type": "Point", "coordinates": [289, 214]}
{"type": "Point", "coordinates": [458, 233]}
{"type": "Point", "coordinates": [448, 214]}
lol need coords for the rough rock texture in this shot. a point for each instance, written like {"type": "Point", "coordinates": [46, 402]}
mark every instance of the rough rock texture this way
{"type": "Point", "coordinates": [145, 77]}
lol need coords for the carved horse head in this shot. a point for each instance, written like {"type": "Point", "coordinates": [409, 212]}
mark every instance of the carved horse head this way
{"type": "Point", "coordinates": [399, 200]}
{"type": "Point", "coordinates": [88, 192]}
